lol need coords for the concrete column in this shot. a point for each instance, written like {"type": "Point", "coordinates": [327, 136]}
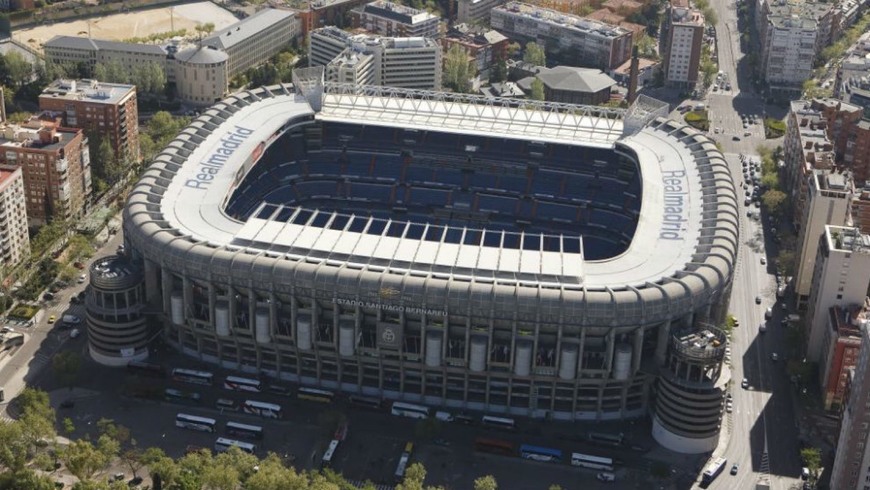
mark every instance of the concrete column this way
{"type": "Point", "coordinates": [638, 349]}
{"type": "Point", "coordinates": [662, 342]}
{"type": "Point", "coordinates": [187, 294]}
{"type": "Point", "coordinates": [152, 291]}
{"type": "Point", "coordinates": [611, 343]}
{"type": "Point", "coordinates": [167, 289]}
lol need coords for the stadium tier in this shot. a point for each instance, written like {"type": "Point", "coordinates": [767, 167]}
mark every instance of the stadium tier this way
{"type": "Point", "coordinates": [532, 260]}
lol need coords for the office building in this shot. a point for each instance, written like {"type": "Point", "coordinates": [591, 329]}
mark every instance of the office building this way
{"type": "Point", "coordinates": [826, 201]}
{"type": "Point", "coordinates": [55, 163]}
{"type": "Point", "coordinates": [475, 11]}
{"type": "Point", "coordinates": [107, 109]}
{"type": "Point", "coordinates": [391, 19]}
{"type": "Point", "coordinates": [569, 39]}
{"type": "Point", "coordinates": [316, 14]}
{"type": "Point", "coordinates": [842, 340]}
{"type": "Point", "coordinates": [851, 470]}
{"type": "Point", "coordinates": [405, 62]}
{"type": "Point", "coordinates": [841, 277]}
{"type": "Point", "coordinates": [256, 39]}
{"type": "Point", "coordinates": [681, 51]}
{"type": "Point", "coordinates": [14, 240]}
{"type": "Point", "coordinates": [73, 50]}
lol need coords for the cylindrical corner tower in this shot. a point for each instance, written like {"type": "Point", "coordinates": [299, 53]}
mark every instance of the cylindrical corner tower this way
{"type": "Point", "coordinates": [117, 330]}
{"type": "Point", "coordinates": [688, 409]}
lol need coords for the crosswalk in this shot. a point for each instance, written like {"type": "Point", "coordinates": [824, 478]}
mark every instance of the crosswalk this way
{"type": "Point", "coordinates": [369, 485]}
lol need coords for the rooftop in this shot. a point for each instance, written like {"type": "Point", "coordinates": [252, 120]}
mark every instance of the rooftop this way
{"type": "Point", "coordinates": [847, 239]}
{"type": "Point", "coordinates": [848, 320]}
{"type": "Point", "coordinates": [230, 36]}
{"type": "Point", "coordinates": [88, 90]}
{"type": "Point", "coordinates": [84, 43]}
{"type": "Point", "coordinates": [204, 55]}
{"type": "Point", "coordinates": [6, 173]}
{"type": "Point", "coordinates": [570, 78]}
{"type": "Point", "coordinates": [561, 19]}
{"type": "Point", "coordinates": [48, 138]}
{"type": "Point", "coordinates": [398, 12]}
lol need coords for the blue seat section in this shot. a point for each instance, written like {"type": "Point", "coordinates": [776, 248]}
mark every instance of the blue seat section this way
{"type": "Point", "coordinates": [552, 193]}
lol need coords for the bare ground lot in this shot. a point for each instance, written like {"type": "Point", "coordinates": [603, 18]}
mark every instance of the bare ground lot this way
{"type": "Point", "coordinates": [142, 23]}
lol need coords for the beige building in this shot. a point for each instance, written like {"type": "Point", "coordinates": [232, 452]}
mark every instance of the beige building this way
{"type": "Point", "coordinates": [682, 48]}
{"type": "Point", "coordinates": [202, 75]}
{"type": "Point", "coordinates": [256, 39]}
{"type": "Point", "coordinates": [14, 241]}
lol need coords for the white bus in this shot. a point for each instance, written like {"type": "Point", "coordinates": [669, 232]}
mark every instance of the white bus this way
{"type": "Point", "coordinates": [500, 422]}
{"type": "Point", "coordinates": [193, 422]}
{"type": "Point", "coordinates": [267, 410]}
{"type": "Point", "coordinates": [401, 467]}
{"type": "Point", "coordinates": [591, 462]}
{"type": "Point", "coordinates": [236, 429]}
{"type": "Point", "coordinates": [242, 384]}
{"type": "Point", "coordinates": [410, 410]}
{"type": "Point", "coordinates": [329, 454]}
{"type": "Point", "coordinates": [191, 376]}
{"type": "Point", "coordinates": [314, 395]}
{"type": "Point", "coordinates": [223, 445]}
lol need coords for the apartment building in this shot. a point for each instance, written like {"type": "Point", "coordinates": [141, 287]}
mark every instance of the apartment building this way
{"type": "Point", "coordinates": [569, 39]}
{"type": "Point", "coordinates": [851, 470]}
{"type": "Point", "coordinates": [484, 46]}
{"type": "Point", "coordinates": [806, 147]}
{"type": "Point", "coordinates": [73, 50]}
{"type": "Point", "coordinates": [410, 62]}
{"type": "Point", "coordinates": [842, 340]}
{"type": "Point", "coordinates": [14, 240]}
{"type": "Point", "coordinates": [395, 20]}
{"type": "Point", "coordinates": [841, 277]}
{"type": "Point", "coordinates": [55, 163]}
{"type": "Point", "coordinates": [476, 11]}
{"type": "Point", "coordinates": [681, 51]}
{"type": "Point", "coordinates": [791, 33]}
{"type": "Point", "coordinates": [255, 39]}
{"type": "Point", "coordinates": [108, 109]}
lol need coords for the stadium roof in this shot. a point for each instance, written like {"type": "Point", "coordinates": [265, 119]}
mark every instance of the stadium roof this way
{"type": "Point", "coordinates": [682, 185]}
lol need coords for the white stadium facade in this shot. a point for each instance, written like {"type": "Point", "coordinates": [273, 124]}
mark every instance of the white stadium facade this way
{"type": "Point", "coordinates": [533, 259]}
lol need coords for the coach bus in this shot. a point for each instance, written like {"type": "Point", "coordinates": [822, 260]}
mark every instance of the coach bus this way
{"type": "Point", "coordinates": [500, 422]}
{"type": "Point", "coordinates": [713, 470]}
{"type": "Point", "coordinates": [146, 369]}
{"type": "Point", "coordinates": [191, 397]}
{"type": "Point", "coordinates": [537, 453]}
{"type": "Point", "coordinates": [606, 439]}
{"type": "Point", "coordinates": [410, 410]}
{"type": "Point", "coordinates": [591, 462]}
{"type": "Point", "coordinates": [495, 446]}
{"type": "Point", "coordinates": [401, 467]}
{"type": "Point", "coordinates": [222, 445]}
{"type": "Point", "coordinates": [315, 395]}
{"type": "Point", "coordinates": [326, 462]}
{"type": "Point", "coordinates": [236, 429]}
{"type": "Point", "coordinates": [192, 422]}
{"type": "Point", "coordinates": [191, 376]}
{"type": "Point", "coordinates": [267, 410]}
{"type": "Point", "coordinates": [242, 384]}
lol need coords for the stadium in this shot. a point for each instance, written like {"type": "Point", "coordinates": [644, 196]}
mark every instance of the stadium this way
{"type": "Point", "coordinates": [525, 258]}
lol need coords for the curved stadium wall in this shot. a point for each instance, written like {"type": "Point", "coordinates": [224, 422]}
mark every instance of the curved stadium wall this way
{"type": "Point", "coordinates": [434, 264]}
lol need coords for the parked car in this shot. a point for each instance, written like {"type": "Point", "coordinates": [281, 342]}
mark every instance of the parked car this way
{"type": "Point", "coordinates": [734, 469]}
{"type": "Point", "coordinates": [744, 384]}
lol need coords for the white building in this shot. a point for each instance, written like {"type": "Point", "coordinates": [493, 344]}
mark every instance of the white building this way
{"type": "Point", "coordinates": [409, 62]}
{"type": "Point", "coordinates": [573, 40]}
{"type": "Point", "coordinates": [827, 203]}
{"type": "Point", "coordinates": [256, 39]}
{"type": "Point", "coordinates": [13, 217]}
{"type": "Point", "coordinates": [841, 276]}
{"type": "Point", "coordinates": [475, 11]}
{"type": "Point", "coordinates": [683, 41]}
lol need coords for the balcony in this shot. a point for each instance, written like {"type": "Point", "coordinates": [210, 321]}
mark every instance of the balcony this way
{"type": "Point", "coordinates": [62, 165]}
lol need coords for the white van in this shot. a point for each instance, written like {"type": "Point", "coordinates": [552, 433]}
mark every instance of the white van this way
{"type": "Point", "coordinates": [71, 319]}
{"type": "Point", "coordinates": [605, 476]}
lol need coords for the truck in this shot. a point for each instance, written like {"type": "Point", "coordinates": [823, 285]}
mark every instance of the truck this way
{"type": "Point", "coordinates": [13, 339]}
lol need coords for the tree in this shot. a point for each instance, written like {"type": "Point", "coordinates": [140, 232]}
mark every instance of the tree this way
{"type": "Point", "coordinates": [19, 69]}
{"type": "Point", "coordinates": [66, 366]}
{"type": "Point", "coordinates": [111, 72]}
{"type": "Point", "coordinates": [458, 69]}
{"type": "Point", "coordinates": [774, 201]}
{"type": "Point", "coordinates": [513, 50]}
{"type": "Point", "coordinates": [83, 459]}
{"type": "Point", "coordinates": [555, 487]}
{"type": "Point", "coordinates": [537, 92]}
{"type": "Point", "coordinates": [812, 458]}
{"type": "Point", "coordinates": [485, 483]}
{"type": "Point", "coordinates": [771, 181]}
{"type": "Point", "coordinates": [785, 262]}
{"type": "Point", "coordinates": [646, 47]}
{"type": "Point", "coordinates": [708, 68]}
{"type": "Point", "coordinates": [68, 426]}
{"type": "Point", "coordinates": [116, 432]}
{"type": "Point", "coordinates": [415, 475]}
{"type": "Point", "coordinates": [535, 54]}
{"type": "Point", "coordinates": [498, 72]}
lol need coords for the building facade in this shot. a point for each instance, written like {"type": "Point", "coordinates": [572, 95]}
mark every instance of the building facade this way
{"type": "Point", "coordinates": [484, 46]}
{"type": "Point", "coordinates": [806, 148]}
{"type": "Point", "coordinates": [391, 19]}
{"type": "Point", "coordinates": [570, 39]}
{"type": "Point", "coordinates": [108, 109]}
{"type": "Point", "coordinates": [841, 277]}
{"type": "Point", "coordinates": [684, 38]}
{"type": "Point", "coordinates": [851, 470]}
{"type": "Point", "coordinates": [55, 163]}
{"type": "Point", "coordinates": [202, 74]}
{"type": "Point", "coordinates": [475, 11]}
{"type": "Point", "coordinates": [14, 240]}
{"type": "Point", "coordinates": [840, 348]}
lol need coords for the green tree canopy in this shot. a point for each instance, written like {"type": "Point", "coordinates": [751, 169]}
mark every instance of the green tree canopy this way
{"type": "Point", "coordinates": [535, 54]}
{"type": "Point", "coordinates": [774, 201]}
{"type": "Point", "coordinates": [537, 92]}
{"type": "Point", "coordinates": [458, 69]}
{"type": "Point", "coordinates": [485, 483]}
